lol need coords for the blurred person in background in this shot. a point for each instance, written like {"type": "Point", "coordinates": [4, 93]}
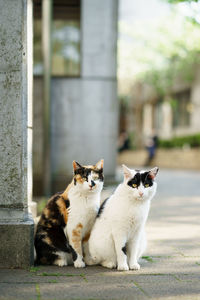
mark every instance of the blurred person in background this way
{"type": "Point", "coordinates": [151, 145]}
{"type": "Point", "coordinates": [123, 142]}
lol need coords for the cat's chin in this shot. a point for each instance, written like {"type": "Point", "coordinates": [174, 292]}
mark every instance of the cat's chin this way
{"type": "Point", "coordinates": [95, 190]}
{"type": "Point", "coordinates": [140, 199]}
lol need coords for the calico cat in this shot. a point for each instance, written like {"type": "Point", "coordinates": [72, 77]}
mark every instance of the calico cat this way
{"type": "Point", "coordinates": [66, 221]}
{"type": "Point", "coordinates": [118, 236]}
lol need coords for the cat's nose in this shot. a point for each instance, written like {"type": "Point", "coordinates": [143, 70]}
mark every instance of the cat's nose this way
{"type": "Point", "coordinates": [92, 183]}
{"type": "Point", "coordinates": [141, 194]}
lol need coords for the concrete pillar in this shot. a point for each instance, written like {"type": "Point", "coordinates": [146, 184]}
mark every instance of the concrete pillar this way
{"type": "Point", "coordinates": [16, 224]}
{"type": "Point", "coordinates": [32, 206]}
{"type": "Point", "coordinates": [166, 130]}
{"type": "Point", "coordinates": [46, 47]}
{"type": "Point", "coordinates": [85, 109]}
{"type": "Point", "coordinates": [195, 102]}
{"type": "Point", "coordinates": [147, 119]}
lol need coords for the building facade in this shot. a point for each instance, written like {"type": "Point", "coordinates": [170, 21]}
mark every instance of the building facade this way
{"type": "Point", "coordinates": [175, 114]}
{"type": "Point", "coordinates": [83, 123]}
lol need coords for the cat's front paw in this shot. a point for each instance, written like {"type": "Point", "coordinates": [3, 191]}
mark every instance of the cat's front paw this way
{"type": "Point", "coordinates": [123, 267]}
{"type": "Point", "coordinates": [60, 262]}
{"type": "Point", "coordinates": [135, 266]}
{"type": "Point", "coordinates": [79, 264]}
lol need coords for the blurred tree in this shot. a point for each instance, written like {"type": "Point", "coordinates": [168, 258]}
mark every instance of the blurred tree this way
{"type": "Point", "coordinates": [192, 7]}
{"type": "Point", "coordinates": [160, 51]}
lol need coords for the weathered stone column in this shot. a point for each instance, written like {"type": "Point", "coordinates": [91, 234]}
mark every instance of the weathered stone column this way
{"type": "Point", "coordinates": [195, 103]}
{"type": "Point", "coordinates": [166, 130]}
{"type": "Point", "coordinates": [16, 224]}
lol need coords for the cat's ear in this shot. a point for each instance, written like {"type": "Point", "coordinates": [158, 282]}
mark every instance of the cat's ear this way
{"type": "Point", "coordinates": [153, 172]}
{"type": "Point", "coordinates": [127, 172]}
{"type": "Point", "coordinates": [99, 165]}
{"type": "Point", "coordinates": [76, 165]}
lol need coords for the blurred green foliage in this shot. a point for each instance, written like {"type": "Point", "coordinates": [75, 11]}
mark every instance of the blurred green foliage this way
{"type": "Point", "coordinates": [180, 142]}
{"type": "Point", "coordinates": [41, 205]}
{"type": "Point", "coordinates": [177, 1]}
{"type": "Point", "coordinates": [168, 51]}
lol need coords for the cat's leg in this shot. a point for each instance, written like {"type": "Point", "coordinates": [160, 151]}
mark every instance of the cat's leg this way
{"type": "Point", "coordinates": [61, 259]}
{"type": "Point", "coordinates": [120, 242]}
{"type": "Point", "coordinates": [86, 253]}
{"type": "Point", "coordinates": [101, 249]}
{"type": "Point", "coordinates": [142, 244]}
{"type": "Point", "coordinates": [87, 257]}
{"type": "Point", "coordinates": [75, 240]}
{"type": "Point", "coordinates": [48, 255]}
{"type": "Point", "coordinates": [63, 250]}
{"type": "Point", "coordinates": [134, 250]}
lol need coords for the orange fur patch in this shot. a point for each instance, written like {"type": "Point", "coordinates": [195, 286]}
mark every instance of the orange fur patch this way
{"type": "Point", "coordinates": [54, 221]}
{"type": "Point", "coordinates": [65, 194]}
{"type": "Point", "coordinates": [77, 238]}
{"type": "Point", "coordinates": [47, 240]}
{"type": "Point", "coordinates": [62, 208]}
{"type": "Point", "coordinates": [78, 178]}
{"type": "Point", "coordinates": [46, 212]}
{"type": "Point", "coordinates": [86, 237]}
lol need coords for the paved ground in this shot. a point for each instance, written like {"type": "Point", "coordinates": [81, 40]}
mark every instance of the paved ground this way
{"type": "Point", "coordinates": [170, 268]}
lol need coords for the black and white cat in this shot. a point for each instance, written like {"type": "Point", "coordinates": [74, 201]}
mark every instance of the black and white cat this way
{"type": "Point", "coordinates": [118, 236]}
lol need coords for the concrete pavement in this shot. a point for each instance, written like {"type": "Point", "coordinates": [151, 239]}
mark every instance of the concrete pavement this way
{"type": "Point", "coordinates": [170, 268]}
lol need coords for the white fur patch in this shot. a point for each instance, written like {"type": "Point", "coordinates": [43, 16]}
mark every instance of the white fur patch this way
{"type": "Point", "coordinates": [62, 260]}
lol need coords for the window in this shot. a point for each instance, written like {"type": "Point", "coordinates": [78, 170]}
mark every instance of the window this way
{"type": "Point", "coordinates": [65, 38]}
{"type": "Point", "coordinates": [159, 114]}
{"type": "Point", "coordinates": [181, 106]}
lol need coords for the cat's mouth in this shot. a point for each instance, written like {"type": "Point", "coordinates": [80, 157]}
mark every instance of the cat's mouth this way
{"type": "Point", "coordinates": [92, 187]}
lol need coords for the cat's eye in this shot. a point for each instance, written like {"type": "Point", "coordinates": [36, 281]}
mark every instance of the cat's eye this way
{"type": "Point", "coordinates": [134, 185]}
{"type": "Point", "coordinates": [146, 185]}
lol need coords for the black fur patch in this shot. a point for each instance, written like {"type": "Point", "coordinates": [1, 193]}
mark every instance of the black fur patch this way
{"type": "Point", "coordinates": [100, 173]}
{"type": "Point", "coordinates": [139, 178]}
{"type": "Point", "coordinates": [45, 253]}
{"type": "Point", "coordinates": [74, 254]}
{"type": "Point", "coordinates": [102, 208]}
{"type": "Point", "coordinates": [67, 203]}
{"type": "Point", "coordinates": [124, 250]}
{"type": "Point", "coordinates": [50, 237]}
{"type": "Point", "coordinates": [85, 172]}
